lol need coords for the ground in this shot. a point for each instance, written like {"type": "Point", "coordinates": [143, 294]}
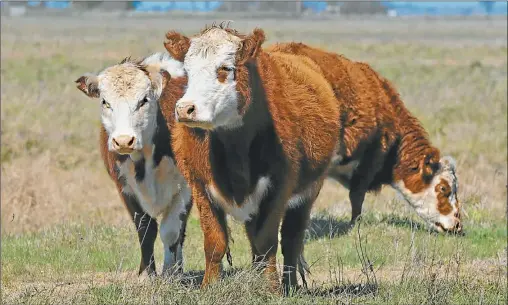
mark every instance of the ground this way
{"type": "Point", "coordinates": [66, 238]}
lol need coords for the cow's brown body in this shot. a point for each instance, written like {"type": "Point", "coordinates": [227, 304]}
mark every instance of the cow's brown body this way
{"type": "Point", "coordinates": [289, 132]}
{"type": "Point", "coordinates": [380, 142]}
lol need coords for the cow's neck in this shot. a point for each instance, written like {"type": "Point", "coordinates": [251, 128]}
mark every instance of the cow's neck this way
{"type": "Point", "coordinates": [412, 148]}
{"type": "Point", "coordinates": [231, 148]}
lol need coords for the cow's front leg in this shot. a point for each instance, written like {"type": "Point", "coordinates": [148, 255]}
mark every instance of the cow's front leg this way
{"type": "Point", "coordinates": [213, 224]}
{"type": "Point", "coordinates": [146, 228]}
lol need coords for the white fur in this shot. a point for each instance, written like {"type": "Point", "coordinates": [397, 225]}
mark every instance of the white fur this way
{"type": "Point", "coordinates": [250, 207]}
{"type": "Point", "coordinates": [166, 62]}
{"type": "Point", "coordinates": [216, 103]}
{"type": "Point", "coordinates": [170, 230]}
{"type": "Point", "coordinates": [297, 199]}
{"type": "Point", "coordinates": [166, 198]}
{"type": "Point", "coordinates": [122, 87]}
{"type": "Point", "coordinates": [425, 203]}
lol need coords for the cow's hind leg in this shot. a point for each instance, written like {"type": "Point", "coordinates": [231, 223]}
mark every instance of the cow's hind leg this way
{"type": "Point", "coordinates": [356, 197]}
{"type": "Point", "coordinates": [296, 221]}
{"type": "Point", "coordinates": [262, 231]}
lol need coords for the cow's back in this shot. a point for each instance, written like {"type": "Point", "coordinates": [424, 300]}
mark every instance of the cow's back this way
{"type": "Point", "coordinates": [304, 111]}
{"type": "Point", "coordinates": [365, 107]}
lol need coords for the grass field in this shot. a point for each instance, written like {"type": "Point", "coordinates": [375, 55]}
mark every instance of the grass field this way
{"type": "Point", "coordinates": [67, 239]}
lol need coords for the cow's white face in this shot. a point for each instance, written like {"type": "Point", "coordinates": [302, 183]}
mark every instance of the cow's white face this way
{"type": "Point", "coordinates": [437, 203]}
{"type": "Point", "coordinates": [211, 98]}
{"type": "Point", "coordinates": [128, 94]}
{"type": "Point", "coordinates": [128, 108]}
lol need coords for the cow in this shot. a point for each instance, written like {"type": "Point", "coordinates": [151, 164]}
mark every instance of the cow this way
{"type": "Point", "coordinates": [382, 143]}
{"type": "Point", "coordinates": [256, 133]}
{"type": "Point", "coordinates": [137, 99]}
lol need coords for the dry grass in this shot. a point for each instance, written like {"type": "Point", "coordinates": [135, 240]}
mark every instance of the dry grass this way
{"type": "Point", "coordinates": [451, 74]}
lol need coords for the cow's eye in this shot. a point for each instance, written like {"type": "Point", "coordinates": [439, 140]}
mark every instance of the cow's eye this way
{"type": "Point", "coordinates": [105, 104]}
{"type": "Point", "coordinates": [227, 69]}
{"type": "Point", "coordinates": [142, 102]}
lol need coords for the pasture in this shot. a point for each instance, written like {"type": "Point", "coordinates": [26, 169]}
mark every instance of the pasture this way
{"type": "Point", "coordinates": [66, 238]}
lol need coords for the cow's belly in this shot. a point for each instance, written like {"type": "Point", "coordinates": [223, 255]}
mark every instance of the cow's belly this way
{"type": "Point", "coordinates": [160, 187]}
{"type": "Point", "coordinates": [343, 173]}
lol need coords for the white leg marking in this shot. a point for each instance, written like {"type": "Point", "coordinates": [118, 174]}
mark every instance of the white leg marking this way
{"type": "Point", "coordinates": [169, 233]}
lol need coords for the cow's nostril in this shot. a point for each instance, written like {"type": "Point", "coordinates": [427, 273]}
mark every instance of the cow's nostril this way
{"type": "Point", "coordinates": [131, 141]}
{"type": "Point", "coordinates": [115, 142]}
{"type": "Point", "coordinates": [190, 109]}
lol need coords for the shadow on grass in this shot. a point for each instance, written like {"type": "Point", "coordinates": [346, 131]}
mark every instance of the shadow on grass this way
{"type": "Point", "coordinates": [404, 222]}
{"type": "Point", "coordinates": [327, 226]}
{"type": "Point", "coordinates": [363, 289]}
{"type": "Point", "coordinates": [193, 278]}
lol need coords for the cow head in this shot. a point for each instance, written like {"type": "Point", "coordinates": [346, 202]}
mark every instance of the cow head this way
{"type": "Point", "coordinates": [215, 63]}
{"type": "Point", "coordinates": [432, 191]}
{"type": "Point", "coordinates": [129, 94]}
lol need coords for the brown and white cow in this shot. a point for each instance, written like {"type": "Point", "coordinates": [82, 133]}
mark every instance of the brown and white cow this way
{"type": "Point", "coordinates": [381, 143]}
{"type": "Point", "coordinates": [258, 133]}
{"type": "Point", "coordinates": [137, 101]}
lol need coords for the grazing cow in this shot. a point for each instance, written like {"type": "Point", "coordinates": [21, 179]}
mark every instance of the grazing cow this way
{"type": "Point", "coordinates": [258, 133]}
{"type": "Point", "coordinates": [135, 144]}
{"type": "Point", "coordinates": [381, 143]}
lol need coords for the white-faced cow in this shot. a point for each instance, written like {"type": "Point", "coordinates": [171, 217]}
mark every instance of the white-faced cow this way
{"type": "Point", "coordinates": [257, 134]}
{"type": "Point", "coordinates": [381, 143]}
{"type": "Point", "coordinates": [137, 101]}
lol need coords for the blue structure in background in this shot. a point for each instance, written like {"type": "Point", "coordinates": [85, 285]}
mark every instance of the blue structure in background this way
{"type": "Point", "coordinates": [406, 8]}
{"type": "Point", "coordinates": [317, 7]}
{"type": "Point", "coordinates": [51, 4]}
{"type": "Point", "coordinates": [401, 8]}
{"type": "Point", "coordinates": [199, 6]}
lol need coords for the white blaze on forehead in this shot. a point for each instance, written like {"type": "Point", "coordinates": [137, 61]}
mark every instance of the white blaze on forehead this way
{"type": "Point", "coordinates": [213, 43]}
{"type": "Point", "coordinates": [127, 81]}
{"type": "Point", "coordinates": [122, 83]}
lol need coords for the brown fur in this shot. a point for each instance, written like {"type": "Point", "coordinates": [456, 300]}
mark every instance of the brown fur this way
{"type": "Point", "coordinates": [376, 128]}
{"type": "Point", "coordinates": [291, 123]}
{"type": "Point", "coordinates": [444, 190]}
{"type": "Point", "coordinates": [177, 45]}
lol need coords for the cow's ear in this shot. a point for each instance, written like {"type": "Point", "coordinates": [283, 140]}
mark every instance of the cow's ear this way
{"type": "Point", "coordinates": [177, 45]}
{"type": "Point", "coordinates": [158, 77]}
{"type": "Point", "coordinates": [88, 84]}
{"type": "Point", "coordinates": [250, 46]}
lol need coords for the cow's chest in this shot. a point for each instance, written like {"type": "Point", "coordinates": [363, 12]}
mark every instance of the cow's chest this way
{"type": "Point", "coordinates": [154, 187]}
{"type": "Point", "coordinates": [241, 211]}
